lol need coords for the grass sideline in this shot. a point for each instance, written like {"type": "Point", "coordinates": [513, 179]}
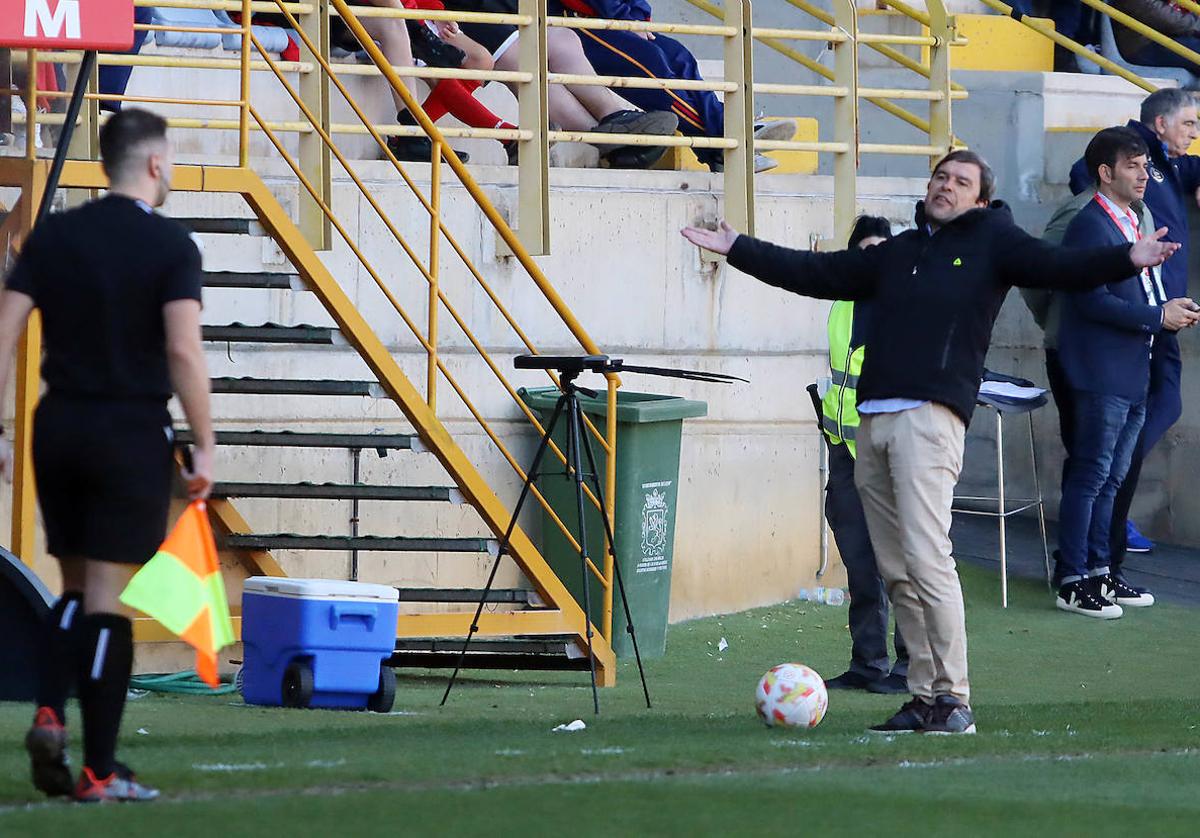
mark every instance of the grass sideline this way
{"type": "Point", "coordinates": [1085, 727]}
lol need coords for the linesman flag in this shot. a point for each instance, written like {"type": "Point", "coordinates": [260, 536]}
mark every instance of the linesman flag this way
{"type": "Point", "coordinates": [181, 587]}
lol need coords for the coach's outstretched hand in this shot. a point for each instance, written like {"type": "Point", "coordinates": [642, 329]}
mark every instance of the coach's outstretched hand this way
{"type": "Point", "coordinates": [718, 241]}
{"type": "Point", "coordinates": [1150, 251]}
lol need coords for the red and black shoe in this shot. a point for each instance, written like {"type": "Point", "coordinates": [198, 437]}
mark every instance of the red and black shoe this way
{"type": "Point", "coordinates": [121, 786]}
{"type": "Point", "coordinates": [46, 743]}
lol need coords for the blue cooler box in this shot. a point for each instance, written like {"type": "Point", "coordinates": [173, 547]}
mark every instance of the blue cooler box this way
{"type": "Point", "coordinates": [318, 643]}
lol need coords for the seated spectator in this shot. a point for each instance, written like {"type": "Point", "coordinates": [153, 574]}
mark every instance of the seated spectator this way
{"type": "Point", "coordinates": [114, 80]}
{"type": "Point", "coordinates": [650, 55]}
{"type": "Point", "coordinates": [1071, 20]}
{"type": "Point", "coordinates": [392, 35]}
{"type": "Point", "coordinates": [573, 107]}
{"type": "Point", "coordinates": [1165, 17]}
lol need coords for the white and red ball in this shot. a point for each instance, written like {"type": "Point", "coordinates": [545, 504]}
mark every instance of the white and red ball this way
{"type": "Point", "coordinates": [791, 695]}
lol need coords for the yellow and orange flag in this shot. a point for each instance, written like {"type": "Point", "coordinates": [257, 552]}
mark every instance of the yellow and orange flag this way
{"type": "Point", "coordinates": [181, 587]}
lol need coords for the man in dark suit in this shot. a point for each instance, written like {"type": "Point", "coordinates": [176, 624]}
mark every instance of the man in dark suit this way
{"type": "Point", "coordinates": [1168, 125]}
{"type": "Point", "coordinates": [1105, 342]}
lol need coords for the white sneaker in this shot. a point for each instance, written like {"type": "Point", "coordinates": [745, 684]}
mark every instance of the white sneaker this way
{"type": "Point", "coordinates": [775, 129]}
{"type": "Point", "coordinates": [762, 163]}
{"type": "Point", "coordinates": [1082, 597]}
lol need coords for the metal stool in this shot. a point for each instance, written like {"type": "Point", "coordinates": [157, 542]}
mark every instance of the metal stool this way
{"type": "Point", "coordinates": [1002, 510]}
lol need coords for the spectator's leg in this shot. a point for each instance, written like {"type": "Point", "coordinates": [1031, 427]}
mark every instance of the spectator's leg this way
{"type": "Point", "coordinates": [1156, 55]}
{"type": "Point", "coordinates": [926, 458]}
{"type": "Point", "coordinates": [458, 97]}
{"type": "Point", "coordinates": [1064, 400]}
{"type": "Point", "coordinates": [868, 600]}
{"type": "Point", "coordinates": [874, 476]}
{"type": "Point", "coordinates": [1164, 403]}
{"type": "Point", "coordinates": [1099, 421]}
{"type": "Point", "coordinates": [115, 80]}
{"type": "Point", "coordinates": [1164, 406]}
{"type": "Point", "coordinates": [392, 37]}
{"type": "Point", "coordinates": [614, 53]}
{"type": "Point", "coordinates": [564, 108]}
{"type": "Point", "coordinates": [565, 55]}
{"type": "Point", "coordinates": [1125, 444]}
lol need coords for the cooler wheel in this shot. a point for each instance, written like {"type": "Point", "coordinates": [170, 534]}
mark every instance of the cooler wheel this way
{"type": "Point", "coordinates": [298, 684]}
{"type": "Point", "coordinates": [383, 698]}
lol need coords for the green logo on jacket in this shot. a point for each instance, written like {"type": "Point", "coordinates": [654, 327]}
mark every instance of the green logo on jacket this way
{"type": "Point", "coordinates": [958, 263]}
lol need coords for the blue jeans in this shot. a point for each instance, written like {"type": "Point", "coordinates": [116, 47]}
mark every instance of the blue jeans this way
{"type": "Point", "coordinates": [1106, 435]}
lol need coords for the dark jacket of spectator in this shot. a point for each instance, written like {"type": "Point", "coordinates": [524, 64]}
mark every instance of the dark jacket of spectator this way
{"type": "Point", "coordinates": [1160, 15]}
{"type": "Point", "coordinates": [942, 292]}
{"type": "Point", "coordinates": [1172, 183]}
{"type": "Point", "coordinates": [1105, 334]}
{"type": "Point", "coordinates": [610, 9]}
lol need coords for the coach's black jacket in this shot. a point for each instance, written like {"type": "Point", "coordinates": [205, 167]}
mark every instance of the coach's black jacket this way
{"type": "Point", "coordinates": [935, 297]}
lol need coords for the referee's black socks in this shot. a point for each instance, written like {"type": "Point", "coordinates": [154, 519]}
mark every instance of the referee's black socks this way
{"type": "Point", "coordinates": [105, 663]}
{"type": "Point", "coordinates": [57, 654]}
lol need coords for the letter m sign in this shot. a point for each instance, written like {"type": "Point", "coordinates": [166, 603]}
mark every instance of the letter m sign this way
{"type": "Point", "coordinates": [67, 24]}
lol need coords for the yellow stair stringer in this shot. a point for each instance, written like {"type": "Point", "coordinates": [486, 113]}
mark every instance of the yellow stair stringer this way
{"type": "Point", "coordinates": [563, 616]}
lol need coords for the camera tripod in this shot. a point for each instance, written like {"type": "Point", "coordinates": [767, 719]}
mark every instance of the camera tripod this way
{"type": "Point", "coordinates": [578, 450]}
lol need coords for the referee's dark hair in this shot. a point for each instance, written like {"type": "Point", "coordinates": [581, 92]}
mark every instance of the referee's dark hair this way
{"type": "Point", "coordinates": [866, 227]}
{"type": "Point", "coordinates": [123, 139]}
{"type": "Point", "coordinates": [1111, 145]}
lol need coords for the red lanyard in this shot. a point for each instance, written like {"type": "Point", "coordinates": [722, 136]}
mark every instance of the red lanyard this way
{"type": "Point", "coordinates": [1137, 231]}
{"type": "Point", "coordinates": [1149, 281]}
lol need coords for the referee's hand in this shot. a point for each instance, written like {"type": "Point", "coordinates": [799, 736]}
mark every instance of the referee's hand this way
{"type": "Point", "coordinates": [199, 477]}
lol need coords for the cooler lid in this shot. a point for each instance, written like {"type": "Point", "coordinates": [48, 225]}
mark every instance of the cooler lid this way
{"type": "Point", "coordinates": [319, 588]}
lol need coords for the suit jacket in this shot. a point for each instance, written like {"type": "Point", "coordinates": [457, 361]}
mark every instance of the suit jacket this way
{"type": "Point", "coordinates": [1105, 335]}
{"type": "Point", "coordinates": [1046, 305]}
{"type": "Point", "coordinates": [1168, 193]}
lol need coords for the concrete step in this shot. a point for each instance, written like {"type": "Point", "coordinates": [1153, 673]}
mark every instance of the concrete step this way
{"type": "Point", "coordinates": [274, 333]}
{"type": "Point", "coordinates": [362, 543]}
{"type": "Point", "coordinates": [336, 491]}
{"type": "Point", "coordinates": [260, 280]}
{"type": "Point", "coordinates": [298, 387]}
{"type": "Point", "coordinates": [547, 653]}
{"type": "Point", "coordinates": [299, 439]}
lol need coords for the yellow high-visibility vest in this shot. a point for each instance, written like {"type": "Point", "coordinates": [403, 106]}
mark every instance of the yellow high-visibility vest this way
{"type": "Point", "coordinates": [839, 409]}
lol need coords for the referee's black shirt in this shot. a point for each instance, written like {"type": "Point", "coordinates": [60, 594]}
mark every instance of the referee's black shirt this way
{"type": "Point", "coordinates": [100, 275]}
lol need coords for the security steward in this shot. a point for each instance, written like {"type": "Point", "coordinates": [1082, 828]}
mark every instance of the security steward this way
{"type": "Point", "coordinates": [870, 668]}
{"type": "Point", "coordinates": [118, 289]}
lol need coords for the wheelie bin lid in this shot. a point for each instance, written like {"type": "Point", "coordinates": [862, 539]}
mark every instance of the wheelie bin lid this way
{"type": "Point", "coordinates": [634, 408]}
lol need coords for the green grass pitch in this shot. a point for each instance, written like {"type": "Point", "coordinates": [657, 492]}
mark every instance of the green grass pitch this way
{"type": "Point", "coordinates": [1085, 728]}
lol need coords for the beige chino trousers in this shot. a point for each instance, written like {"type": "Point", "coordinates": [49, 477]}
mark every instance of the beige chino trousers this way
{"type": "Point", "coordinates": [907, 467]}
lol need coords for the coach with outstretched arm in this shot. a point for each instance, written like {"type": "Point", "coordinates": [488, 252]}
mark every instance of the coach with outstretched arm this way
{"type": "Point", "coordinates": [942, 285]}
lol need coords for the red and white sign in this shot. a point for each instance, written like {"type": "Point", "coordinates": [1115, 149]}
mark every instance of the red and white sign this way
{"type": "Point", "coordinates": [67, 24]}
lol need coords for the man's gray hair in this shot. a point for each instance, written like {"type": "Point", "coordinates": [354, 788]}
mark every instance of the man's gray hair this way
{"type": "Point", "coordinates": [1164, 102]}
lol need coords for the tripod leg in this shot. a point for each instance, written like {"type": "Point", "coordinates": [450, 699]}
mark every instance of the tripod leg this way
{"type": "Point", "coordinates": [530, 478]}
{"type": "Point", "coordinates": [612, 547]}
{"type": "Point", "coordinates": [574, 424]}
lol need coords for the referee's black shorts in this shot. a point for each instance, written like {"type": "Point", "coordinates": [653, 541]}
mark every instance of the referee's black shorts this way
{"type": "Point", "coordinates": [103, 471]}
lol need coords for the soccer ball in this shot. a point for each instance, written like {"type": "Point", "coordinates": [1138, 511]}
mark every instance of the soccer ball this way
{"type": "Point", "coordinates": [791, 695]}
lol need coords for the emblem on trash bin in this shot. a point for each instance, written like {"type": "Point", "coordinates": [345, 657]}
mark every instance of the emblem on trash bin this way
{"type": "Point", "coordinates": [654, 523]}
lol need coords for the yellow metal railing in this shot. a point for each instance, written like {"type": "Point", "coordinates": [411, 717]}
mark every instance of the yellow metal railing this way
{"type": "Point", "coordinates": [1043, 28]}
{"type": "Point", "coordinates": [317, 75]}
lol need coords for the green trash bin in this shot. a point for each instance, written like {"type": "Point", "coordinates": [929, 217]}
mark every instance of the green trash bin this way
{"type": "Point", "coordinates": [649, 428]}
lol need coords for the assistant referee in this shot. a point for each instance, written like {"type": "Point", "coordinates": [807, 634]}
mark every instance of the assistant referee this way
{"type": "Point", "coordinates": [118, 288]}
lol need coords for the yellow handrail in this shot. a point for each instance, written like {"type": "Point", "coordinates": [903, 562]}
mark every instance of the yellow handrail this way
{"type": "Point", "coordinates": [806, 62]}
{"type": "Point", "coordinates": [1145, 31]}
{"type": "Point", "coordinates": [607, 444]}
{"type": "Point", "coordinates": [1047, 31]}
